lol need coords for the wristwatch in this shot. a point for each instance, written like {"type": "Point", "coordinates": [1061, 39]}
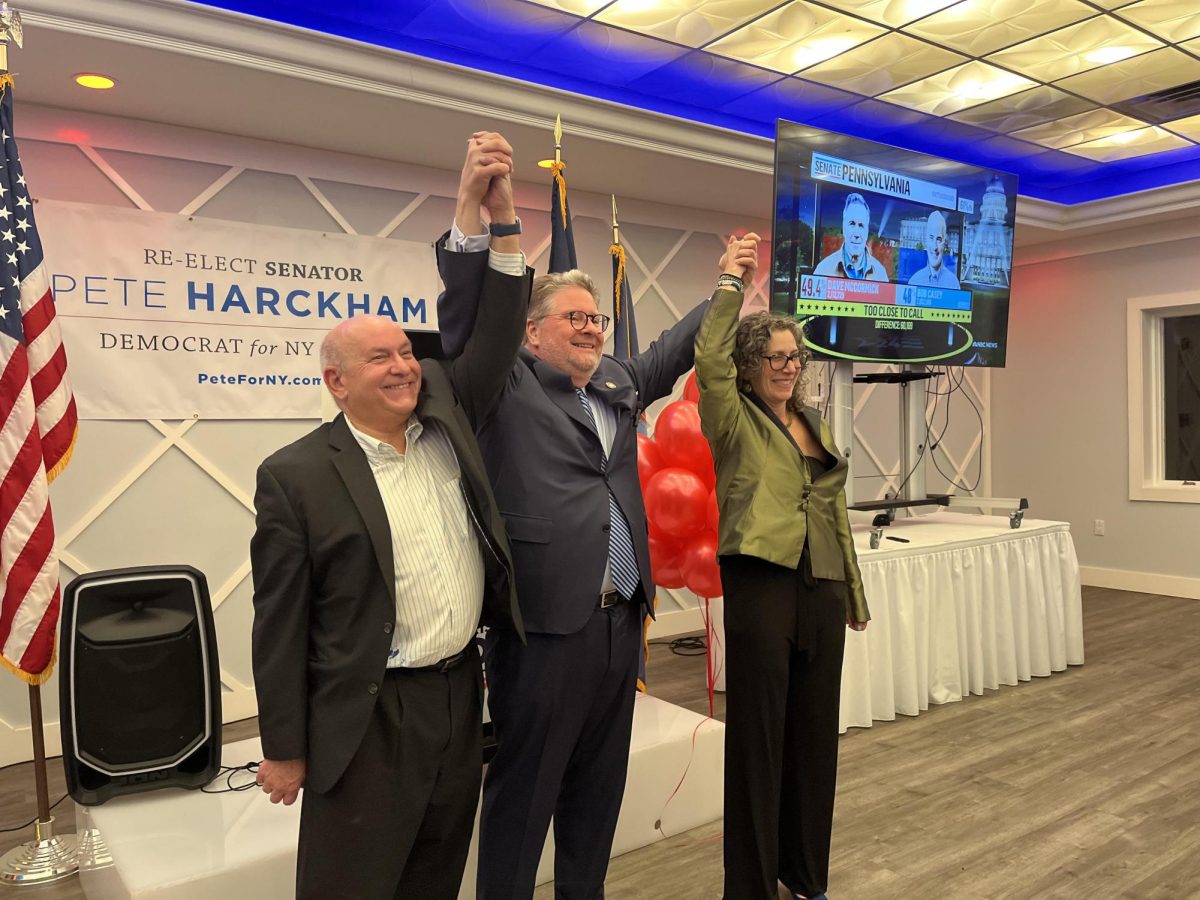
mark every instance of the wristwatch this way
{"type": "Point", "coordinates": [499, 230]}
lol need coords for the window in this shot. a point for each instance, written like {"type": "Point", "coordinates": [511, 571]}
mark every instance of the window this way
{"type": "Point", "coordinates": [1164, 398]}
{"type": "Point", "coordinates": [1181, 398]}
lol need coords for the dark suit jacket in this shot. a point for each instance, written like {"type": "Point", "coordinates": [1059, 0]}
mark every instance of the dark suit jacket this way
{"type": "Point", "coordinates": [324, 583]}
{"type": "Point", "coordinates": [544, 457]}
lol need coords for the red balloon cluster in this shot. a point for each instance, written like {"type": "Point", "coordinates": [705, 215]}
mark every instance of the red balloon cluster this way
{"type": "Point", "coordinates": [678, 485]}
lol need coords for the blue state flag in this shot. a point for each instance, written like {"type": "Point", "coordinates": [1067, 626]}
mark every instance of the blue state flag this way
{"type": "Point", "coordinates": [625, 340]}
{"type": "Point", "coordinates": [562, 238]}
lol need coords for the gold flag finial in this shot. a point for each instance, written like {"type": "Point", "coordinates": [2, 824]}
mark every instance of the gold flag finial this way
{"type": "Point", "coordinates": [558, 138]}
{"type": "Point", "coordinates": [10, 25]}
{"type": "Point", "coordinates": [11, 31]}
{"type": "Point", "coordinates": [616, 227]}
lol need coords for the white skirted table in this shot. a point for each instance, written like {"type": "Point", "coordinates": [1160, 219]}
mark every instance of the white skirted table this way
{"type": "Point", "coordinates": [966, 605]}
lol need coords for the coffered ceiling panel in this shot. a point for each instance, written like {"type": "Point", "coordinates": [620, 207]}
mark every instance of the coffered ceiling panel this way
{"type": "Point", "coordinates": [1134, 77]}
{"type": "Point", "coordinates": [1057, 91]}
{"type": "Point", "coordinates": [955, 89]}
{"type": "Point", "coordinates": [885, 63]}
{"type": "Point", "coordinates": [1172, 20]}
{"type": "Point", "coordinates": [1076, 48]}
{"type": "Point", "coordinates": [795, 37]}
{"type": "Point", "coordinates": [683, 21]}
{"type": "Point", "coordinates": [1088, 126]}
{"type": "Point", "coordinates": [1031, 107]}
{"type": "Point", "coordinates": [1129, 143]}
{"type": "Point", "coordinates": [979, 27]}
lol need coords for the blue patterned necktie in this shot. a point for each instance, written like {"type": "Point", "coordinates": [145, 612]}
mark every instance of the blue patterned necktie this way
{"type": "Point", "coordinates": [621, 559]}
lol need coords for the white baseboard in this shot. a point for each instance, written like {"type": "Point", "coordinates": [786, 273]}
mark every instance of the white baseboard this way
{"type": "Point", "coordinates": [238, 705]}
{"type": "Point", "coordinates": [1142, 582]}
{"type": "Point", "coordinates": [676, 622]}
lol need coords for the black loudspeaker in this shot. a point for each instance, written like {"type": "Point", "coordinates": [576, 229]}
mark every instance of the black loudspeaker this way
{"type": "Point", "coordinates": [139, 682]}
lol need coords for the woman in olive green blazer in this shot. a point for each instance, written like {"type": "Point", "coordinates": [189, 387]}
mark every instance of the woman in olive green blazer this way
{"type": "Point", "coordinates": [791, 583]}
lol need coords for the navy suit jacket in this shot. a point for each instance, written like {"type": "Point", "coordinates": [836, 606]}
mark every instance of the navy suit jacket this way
{"type": "Point", "coordinates": [544, 457]}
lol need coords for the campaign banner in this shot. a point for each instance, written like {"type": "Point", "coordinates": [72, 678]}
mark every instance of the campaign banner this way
{"type": "Point", "coordinates": [881, 181]}
{"type": "Point", "coordinates": [169, 316]}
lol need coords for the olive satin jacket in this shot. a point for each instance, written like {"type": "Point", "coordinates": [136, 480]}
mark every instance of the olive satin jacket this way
{"type": "Point", "coordinates": [770, 504]}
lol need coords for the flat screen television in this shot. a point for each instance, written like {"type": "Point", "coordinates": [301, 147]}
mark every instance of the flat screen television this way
{"type": "Point", "coordinates": [890, 255]}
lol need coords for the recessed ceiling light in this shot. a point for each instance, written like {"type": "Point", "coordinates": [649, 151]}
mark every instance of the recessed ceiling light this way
{"type": "Point", "coordinates": [822, 49]}
{"type": "Point", "coordinates": [1128, 137]}
{"type": "Point", "coordinates": [94, 80]}
{"type": "Point", "coordinates": [1108, 55]}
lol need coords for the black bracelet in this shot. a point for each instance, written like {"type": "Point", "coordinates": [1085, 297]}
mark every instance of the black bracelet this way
{"type": "Point", "coordinates": [731, 281]}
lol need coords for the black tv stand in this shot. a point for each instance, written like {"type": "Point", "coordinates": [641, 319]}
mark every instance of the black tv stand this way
{"type": "Point", "coordinates": [893, 377]}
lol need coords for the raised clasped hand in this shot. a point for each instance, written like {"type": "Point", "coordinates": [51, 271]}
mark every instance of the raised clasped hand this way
{"type": "Point", "coordinates": [741, 256]}
{"type": "Point", "coordinates": [487, 174]}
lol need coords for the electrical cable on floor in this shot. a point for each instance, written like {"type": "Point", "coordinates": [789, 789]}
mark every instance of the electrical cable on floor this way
{"type": "Point", "coordinates": [34, 819]}
{"type": "Point", "coordinates": [686, 646]}
{"type": "Point", "coordinates": [227, 772]}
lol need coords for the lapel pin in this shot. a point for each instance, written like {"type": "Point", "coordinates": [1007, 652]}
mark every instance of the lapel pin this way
{"type": "Point", "coordinates": [610, 384]}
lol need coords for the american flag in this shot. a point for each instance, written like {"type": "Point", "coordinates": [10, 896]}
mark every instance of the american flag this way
{"type": "Point", "coordinates": [38, 423]}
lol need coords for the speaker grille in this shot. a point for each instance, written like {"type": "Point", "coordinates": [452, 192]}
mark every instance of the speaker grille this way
{"type": "Point", "coordinates": [140, 705]}
{"type": "Point", "coordinates": [139, 674]}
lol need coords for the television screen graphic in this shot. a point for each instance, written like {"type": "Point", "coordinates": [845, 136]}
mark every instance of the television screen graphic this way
{"type": "Point", "coordinates": [889, 255]}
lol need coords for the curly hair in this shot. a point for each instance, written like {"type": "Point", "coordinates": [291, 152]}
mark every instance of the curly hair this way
{"type": "Point", "coordinates": [750, 345]}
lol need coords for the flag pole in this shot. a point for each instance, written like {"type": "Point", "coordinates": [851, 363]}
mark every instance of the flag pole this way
{"type": "Point", "coordinates": [47, 857]}
{"type": "Point", "coordinates": [39, 752]}
{"type": "Point", "coordinates": [562, 239]}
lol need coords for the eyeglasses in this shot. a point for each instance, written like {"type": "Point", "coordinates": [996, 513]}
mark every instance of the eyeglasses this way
{"type": "Point", "coordinates": [579, 319]}
{"type": "Point", "coordinates": [779, 361]}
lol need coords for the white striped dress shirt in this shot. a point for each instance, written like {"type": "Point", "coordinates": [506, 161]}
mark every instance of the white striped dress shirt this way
{"type": "Point", "coordinates": [438, 563]}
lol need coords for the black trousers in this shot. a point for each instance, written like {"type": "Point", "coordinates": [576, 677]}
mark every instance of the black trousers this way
{"type": "Point", "coordinates": [784, 637]}
{"type": "Point", "coordinates": [563, 710]}
{"type": "Point", "coordinates": [397, 825]}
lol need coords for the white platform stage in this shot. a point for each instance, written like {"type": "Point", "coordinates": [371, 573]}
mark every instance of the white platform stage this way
{"type": "Point", "coordinates": [187, 845]}
{"type": "Point", "coordinates": [966, 605]}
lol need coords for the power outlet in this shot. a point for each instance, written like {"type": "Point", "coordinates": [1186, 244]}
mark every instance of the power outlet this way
{"type": "Point", "coordinates": [1098, 528]}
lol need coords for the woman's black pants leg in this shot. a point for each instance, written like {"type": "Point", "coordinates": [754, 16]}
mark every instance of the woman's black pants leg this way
{"type": "Point", "coordinates": [784, 638]}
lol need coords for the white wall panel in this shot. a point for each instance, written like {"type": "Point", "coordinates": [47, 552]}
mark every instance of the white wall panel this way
{"type": "Point", "coordinates": [1060, 407]}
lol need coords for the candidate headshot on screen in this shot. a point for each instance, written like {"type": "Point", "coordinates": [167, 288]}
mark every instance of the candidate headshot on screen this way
{"type": "Point", "coordinates": [853, 259]}
{"type": "Point", "coordinates": [937, 272]}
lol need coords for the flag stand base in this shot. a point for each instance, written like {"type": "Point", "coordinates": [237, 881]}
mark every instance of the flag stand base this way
{"type": "Point", "coordinates": [48, 857]}
{"type": "Point", "coordinates": [93, 852]}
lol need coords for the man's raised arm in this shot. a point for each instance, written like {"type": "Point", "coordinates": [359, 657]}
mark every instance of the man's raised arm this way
{"type": "Point", "coordinates": [497, 294]}
{"type": "Point", "coordinates": [466, 251]}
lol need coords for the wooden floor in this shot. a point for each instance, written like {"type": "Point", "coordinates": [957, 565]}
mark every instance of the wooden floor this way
{"type": "Point", "coordinates": [1085, 784]}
